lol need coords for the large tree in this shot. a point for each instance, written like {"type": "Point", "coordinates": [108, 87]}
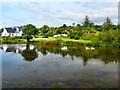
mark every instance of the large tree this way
{"type": "Point", "coordinates": [107, 24]}
{"type": "Point", "coordinates": [30, 31]}
{"type": "Point", "coordinates": [44, 29]}
{"type": "Point", "coordinates": [87, 24]}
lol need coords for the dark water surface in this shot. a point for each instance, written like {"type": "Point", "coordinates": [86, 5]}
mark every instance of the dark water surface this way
{"type": "Point", "coordinates": [37, 65]}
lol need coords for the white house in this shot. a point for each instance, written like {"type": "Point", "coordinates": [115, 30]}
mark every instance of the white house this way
{"type": "Point", "coordinates": [59, 35]}
{"type": "Point", "coordinates": [12, 31]}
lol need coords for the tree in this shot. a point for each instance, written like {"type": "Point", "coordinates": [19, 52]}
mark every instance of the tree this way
{"type": "Point", "coordinates": [111, 38]}
{"type": "Point", "coordinates": [72, 36]}
{"type": "Point", "coordinates": [78, 25]}
{"type": "Point", "coordinates": [30, 31]}
{"type": "Point", "coordinates": [44, 29]}
{"type": "Point", "coordinates": [87, 22]}
{"type": "Point", "coordinates": [77, 37]}
{"type": "Point", "coordinates": [73, 24]}
{"type": "Point", "coordinates": [64, 27]}
{"type": "Point", "coordinates": [107, 24]}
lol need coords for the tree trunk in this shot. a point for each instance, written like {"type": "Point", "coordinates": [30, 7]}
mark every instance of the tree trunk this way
{"type": "Point", "coordinates": [28, 39]}
{"type": "Point", "coordinates": [27, 46]}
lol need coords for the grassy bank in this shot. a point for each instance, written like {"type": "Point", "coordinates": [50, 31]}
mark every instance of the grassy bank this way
{"type": "Point", "coordinates": [50, 40]}
{"type": "Point", "coordinates": [57, 41]}
{"type": "Point", "coordinates": [62, 39]}
{"type": "Point", "coordinates": [12, 40]}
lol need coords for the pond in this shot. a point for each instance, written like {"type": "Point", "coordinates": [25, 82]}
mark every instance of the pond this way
{"type": "Point", "coordinates": [51, 66]}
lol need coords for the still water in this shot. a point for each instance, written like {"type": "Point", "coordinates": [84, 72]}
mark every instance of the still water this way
{"type": "Point", "coordinates": [43, 66]}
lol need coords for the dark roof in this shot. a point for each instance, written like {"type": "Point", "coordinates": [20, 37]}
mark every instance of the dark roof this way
{"type": "Point", "coordinates": [10, 30]}
{"type": "Point", "coordinates": [13, 30]}
{"type": "Point", "coordinates": [11, 49]}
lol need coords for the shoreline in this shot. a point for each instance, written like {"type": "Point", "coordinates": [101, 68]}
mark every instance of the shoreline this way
{"type": "Point", "coordinates": [56, 41]}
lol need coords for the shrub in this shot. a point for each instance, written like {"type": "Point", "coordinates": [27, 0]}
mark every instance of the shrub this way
{"type": "Point", "coordinates": [72, 36]}
{"type": "Point", "coordinates": [23, 37]}
{"type": "Point", "coordinates": [69, 43]}
{"type": "Point", "coordinates": [89, 36]}
{"type": "Point", "coordinates": [110, 38]}
{"type": "Point", "coordinates": [77, 37]}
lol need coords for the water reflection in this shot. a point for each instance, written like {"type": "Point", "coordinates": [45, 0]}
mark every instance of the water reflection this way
{"type": "Point", "coordinates": [107, 55]}
{"type": "Point", "coordinates": [59, 66]}
{"type": "Point", "coordinates": [30, 52]}
{"type": "Point", "coordinates": [27, 51]}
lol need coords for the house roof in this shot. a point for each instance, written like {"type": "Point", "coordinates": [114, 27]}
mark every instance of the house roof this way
{"type": "Point", "coordinates": [10, 30]}
{"type": "Point", "coordinates": [13, 30]}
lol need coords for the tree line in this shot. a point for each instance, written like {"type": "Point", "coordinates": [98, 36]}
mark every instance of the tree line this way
{"type": "Point", "coordinates": [107, 33]}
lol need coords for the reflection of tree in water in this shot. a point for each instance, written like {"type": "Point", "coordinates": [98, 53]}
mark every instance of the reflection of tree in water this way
{"type": "Point", "coordinates": [72, 57]}
{"type": "Point", "coordinates": [109, 54]}
{"type": "Point", "coordinates": [105, 54]}
{"type": "Point", "coordinates": [85, 59]}
{"type": "Point", "coordinates": [64, 53]}
{"type": "Point", "coordinates": [29, 55]}
{"type": "Point", "coordinates": [43, 51]}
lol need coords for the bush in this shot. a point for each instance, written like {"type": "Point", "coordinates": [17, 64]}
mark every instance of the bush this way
{"type": "Point", "coordinates": [23, 37]}
{"type": "Point", "coordinates": [72, 43]}
{"type": "Point", "coordinates": [110, 38]}
{"type": "Point", "coordinates": [12, 40]}
{"type": "Point", "coordinates": [69, 43]}
{"type": "Point", "coordinates": [18, 37]}
{"type": "Point", "coordinates": [89, 36]}
{"type": "Point", "coordinates": [77, 37]}
{"type": "Point", "coordinates": [72, 36]}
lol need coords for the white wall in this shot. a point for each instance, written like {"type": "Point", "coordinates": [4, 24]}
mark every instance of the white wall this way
{"type": "Point", "coordinates": [4, 33]}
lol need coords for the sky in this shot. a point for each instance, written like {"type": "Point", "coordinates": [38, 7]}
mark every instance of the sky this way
{"type": "Point", "coordinates": [56, 13]}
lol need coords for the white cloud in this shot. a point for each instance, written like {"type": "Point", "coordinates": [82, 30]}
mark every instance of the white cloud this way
{"type": "Point", "coordinates": [55, 14]}
{"type": "Point", "coordinates": [59, 1]}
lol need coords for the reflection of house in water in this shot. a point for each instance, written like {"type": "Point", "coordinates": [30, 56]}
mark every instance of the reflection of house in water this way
{"type": "Point", "coordinates": [15, 48]}
{"type": "Point", "coordinates": [64, 48]}
{"type": "Point", "coordinates": [12, 49]}
{"type": "Point", "coordinates": [89, 48]}
{"type": "Point", "coordinates": [4, 47]}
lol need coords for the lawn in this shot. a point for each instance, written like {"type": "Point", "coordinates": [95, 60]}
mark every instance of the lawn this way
{"type": "Point", "coordinates": [61, 38]}
{"type": "Point", "coordinates": [64, 39]}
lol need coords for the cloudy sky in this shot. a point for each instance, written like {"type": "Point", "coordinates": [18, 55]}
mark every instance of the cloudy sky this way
{"type": "Point", "coordinates": [57, 13]}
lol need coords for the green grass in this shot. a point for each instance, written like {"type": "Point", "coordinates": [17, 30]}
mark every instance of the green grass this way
{"type": "Point", "coordinates": [60, 38]}
{"type": "Point", "coordinates": [96, 32]}
{"type": "Point", "coordinates": [42, 39]}
{"type": "Point", "coordinates": [63, 39]}
{"type": "Point", "coordinates": [11, 40]}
